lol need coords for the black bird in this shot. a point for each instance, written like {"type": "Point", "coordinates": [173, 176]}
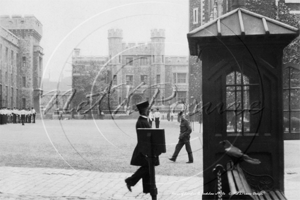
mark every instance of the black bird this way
{"type": "Point", "coordinates": [235, 153]}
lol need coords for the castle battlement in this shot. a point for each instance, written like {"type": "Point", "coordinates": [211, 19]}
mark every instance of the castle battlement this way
{"type": "Point", "coordinates": [157, 33]}
{"type": "Point", "coordinates": [17, 22]}
{"type": "Point", "coordinates": [115, 33]}
{"type": "Point", "coordinates": [137, 47]}
{"type": "Point", "coordinates": [177, 60]}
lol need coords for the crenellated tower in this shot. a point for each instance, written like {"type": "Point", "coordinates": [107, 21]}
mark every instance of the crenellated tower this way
{"type": "Point", "coordinates": [29, 30]}
{"type": "Point", "coordinates": [115, 37]}
{"type": "Point", "coordinates": [158, 57]}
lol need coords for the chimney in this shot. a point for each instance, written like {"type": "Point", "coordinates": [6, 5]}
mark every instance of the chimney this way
{"type": "Point", "coordinates": [237, 4]}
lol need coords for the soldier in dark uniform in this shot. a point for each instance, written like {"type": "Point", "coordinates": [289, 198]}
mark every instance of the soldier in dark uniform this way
{"type": "Point", "coordinates": [184, 139]}
{"type": "Point", "coordinates": [23, 116]}
{"type": "Point", "coordinates": [28, 115]}
{"type": "Point", "coordinates": [138, 159]}
{"type": "Point", "coordinates": [1, 116]}
{"type": "Point", "coordinates": [14, 115]}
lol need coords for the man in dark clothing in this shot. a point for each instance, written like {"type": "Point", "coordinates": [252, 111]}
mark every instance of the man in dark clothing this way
{"type": "Point", "coordinates": [14, 115]}
{"type": "Point", "coordinates": [157, 118]}
{"type": "Point", "coordinates": [184, 139]}
{"type": "Point", "coordinates": [138, 159]}
{"type": "Point", "coordinates": [23, 116]}
{"type": "Point", "coordinates": [33, 113]}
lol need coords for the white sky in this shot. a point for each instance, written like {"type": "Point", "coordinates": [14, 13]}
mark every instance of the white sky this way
{"type": "Point", "coordinates": [69, 24]}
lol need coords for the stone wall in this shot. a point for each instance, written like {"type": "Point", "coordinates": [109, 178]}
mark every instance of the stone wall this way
{"type": "Point", "coordinates": [28, 30]}
{"type": "Point", "coordinates": [9, 45]}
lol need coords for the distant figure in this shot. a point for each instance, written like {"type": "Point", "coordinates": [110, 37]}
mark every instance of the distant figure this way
{"type": "Point", "coordinates": [23, 116]}
{"type": "Point", "coordinates": [172, 116]}
{"type": "Point", "coordinates": [151, 117]}
{"type": "Point", "coordinates": [28, 116]}
{"type": "Point", "coordinates": [157, 118]}
{"type": "Point", "coordinates": [14, 111]}
{"type": "Point", "coordinates": [184, 139]}
{"type": "Point", "coordinates": [33, 113]}
{"type": "Point", "coordinates": [168, 116]}
{"type": "Point", "coordinates": [60, 114]}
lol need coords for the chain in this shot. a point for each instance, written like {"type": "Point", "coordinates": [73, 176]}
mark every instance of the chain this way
{"type": "Point", "coordinates": [219, 185]}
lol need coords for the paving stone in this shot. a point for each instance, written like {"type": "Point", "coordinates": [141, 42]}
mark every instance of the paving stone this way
{"type": "Point", "coordinates": [60, 184]}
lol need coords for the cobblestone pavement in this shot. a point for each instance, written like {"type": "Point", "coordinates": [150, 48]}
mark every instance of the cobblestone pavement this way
{"type": "Point", "coordinates": [43, 183]}
{"type": "Point", "coordinates": [60, 184]}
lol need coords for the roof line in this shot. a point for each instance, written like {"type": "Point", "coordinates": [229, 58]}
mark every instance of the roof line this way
{"type": "Point", "coordinates": [239, 10]}
{"type": "Point", "coordinates": [213, 21]}
{"type": "Point", "coordinates": [10, 32]}
{"type": "Point", "coordinates": [270, 19]}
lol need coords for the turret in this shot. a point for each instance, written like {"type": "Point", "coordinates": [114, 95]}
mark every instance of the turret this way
{"type": "Point", "coordinates": [158, 45]}
{"type": "Point", "coordinates": [115, 37]}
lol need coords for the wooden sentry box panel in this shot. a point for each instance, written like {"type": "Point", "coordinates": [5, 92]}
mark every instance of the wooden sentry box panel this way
{"type": "Point", "coordinates": [246, 110]}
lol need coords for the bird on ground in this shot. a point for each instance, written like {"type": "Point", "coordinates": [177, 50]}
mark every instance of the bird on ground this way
{"type": "Point", "coordinates": [235, 153]}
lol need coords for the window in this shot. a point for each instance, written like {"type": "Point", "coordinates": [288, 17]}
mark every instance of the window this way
{"type": "Point", "coordinates": [6, 98]}
{"type": "Point", "coordinates": [17, 96]}
{"type": "Point", "coordinates": [129, 61]}
{"type": "Point", "coordinates": [24, 61]}
{"type": "Point", "coordinates": [23, 102]}
{"type": "Point", "coordinates": [181, 96]}
{"type": "Point", "coordinates": [144, 61]}
{"type": "Point", "coordinates": [158, 79]}
{"type": "Point", "coordinates": [144, 78]}
{"type": "Point", "coordinates": [16, 59]}
{"type": "Point", "coordinates": [6, 78]}
{"type": "Point", "coordinates": [291, 99]}
{"type": "Point", "coordinates": [12, 98]}
{"type": "Point", "coordinates": [238, 103]}
{"type": "Point", "coordinates": [129, 79]}
{"type": "Point", "coordinates": [179, 78]}
{"type": "Point", "coordinates": [195, 16]}
{"type": "Point", "coordinates": [24, 81]}
{"type": "Point", "coordinates": [0, 51]}
{"type": "Point", "coordinates": [6, 55]}
{"type": "Point", "coordinates": [40, 65]}
{"type": "Point", "coordinates": [115, 80]}
{"type": "Point", "coordinates": [12, 57]}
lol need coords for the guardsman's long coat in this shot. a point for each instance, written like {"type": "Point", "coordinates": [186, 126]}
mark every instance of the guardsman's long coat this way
{"type": "Point", "coordinates": [138, 159]}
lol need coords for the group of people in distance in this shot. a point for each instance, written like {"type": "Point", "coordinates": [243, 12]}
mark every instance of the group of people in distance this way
{"type": "Point", "coordinates": [154, 117]}
{"type": "Point", "coordinates": [138, 159]}
{"type": "Point", "coordinates": [8, 115]}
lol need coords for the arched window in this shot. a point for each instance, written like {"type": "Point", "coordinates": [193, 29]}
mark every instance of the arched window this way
{"type": "Point", "coordinates": [237, 103]}
{"type": "Point", "coordinates": [291, 100]}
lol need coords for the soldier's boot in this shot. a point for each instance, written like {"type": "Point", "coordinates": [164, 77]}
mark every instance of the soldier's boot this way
{"type": "Point", "coordinates": [191, 159]}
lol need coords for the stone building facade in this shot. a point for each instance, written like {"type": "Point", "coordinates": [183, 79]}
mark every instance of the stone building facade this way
{"type": "Point", "coordinates": [21, 61]}
{"type": "Point", "coordinates": [133, 63]}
